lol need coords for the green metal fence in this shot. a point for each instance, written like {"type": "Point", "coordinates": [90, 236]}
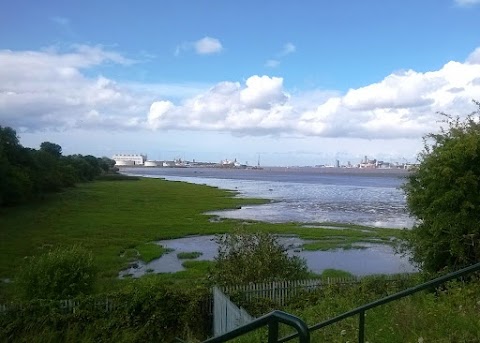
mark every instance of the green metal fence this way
{"type": "Point", "coordinates": [303, 332]}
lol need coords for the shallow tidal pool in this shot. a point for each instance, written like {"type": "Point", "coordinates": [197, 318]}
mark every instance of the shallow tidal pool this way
{"type": "Point", "coordinates": [371, 259]}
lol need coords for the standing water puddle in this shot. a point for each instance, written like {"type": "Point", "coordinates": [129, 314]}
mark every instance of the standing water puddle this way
{"type": "Point", "coordinates": [375, 259]}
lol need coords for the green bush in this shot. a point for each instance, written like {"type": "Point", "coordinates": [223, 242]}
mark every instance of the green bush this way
{"type": "Point", "coordinates": [444, 195]}
{"type": "Point", "coordinates": [145, 310]}
{"type": "Point", "coordinates": [58, 274]}
{"type": "Point", "coordinates": [254, 257]}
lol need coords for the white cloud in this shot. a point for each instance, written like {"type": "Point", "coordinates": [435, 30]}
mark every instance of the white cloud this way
{"type": "Point", "coordinates": [474, 57]}
{"type": "Point", "coordinates": [205, 46]}
{"type": "Point", "coordinates": [288, 48]}
{"type": "Point", "coordinates": [51, 90]}
{"type": "Point", "coordinates": [263, 92]}
{"type": "Point", "coordinates": [208, 45]}
{"type": "Point", "coordinates": [157, 111]}
{"type": "Point", "coordinates": [467, 3]}
{"type": "Point", "coordinates": [402, 105]}
{"type": "Point", "coordinates": [48, 89]}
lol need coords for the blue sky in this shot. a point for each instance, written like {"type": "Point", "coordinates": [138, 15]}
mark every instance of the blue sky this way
{"type": "Point", "coordinates": [299, 83]}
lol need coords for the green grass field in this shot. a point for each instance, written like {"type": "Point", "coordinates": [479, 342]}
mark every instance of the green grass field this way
{"type": "Point", "coordinates": [110, 218]}
{"type": "Point", "coordinates": [117, 220]}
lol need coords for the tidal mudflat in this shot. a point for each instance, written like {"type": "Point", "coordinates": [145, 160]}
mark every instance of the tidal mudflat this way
{"type": "Point", "coordinates": [370, 198]}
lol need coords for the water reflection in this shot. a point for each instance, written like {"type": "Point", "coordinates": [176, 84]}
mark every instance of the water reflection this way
{"type": "Point", "coordinates": [374, 259]}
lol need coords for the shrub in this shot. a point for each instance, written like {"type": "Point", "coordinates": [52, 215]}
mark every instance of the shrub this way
{"type": "Point", "coordinates": [254, 257]}
{"type": "Point", "coordinates": [59, 274]}
{"type": "Point", "coordinates": [444, 195]}
{"type": "Point", "coordinates": [145, 310]}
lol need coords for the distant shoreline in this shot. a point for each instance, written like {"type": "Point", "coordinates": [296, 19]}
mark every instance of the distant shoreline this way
{"type": "Point", "coordinates": [311, 170]}
{"type": "Point", "coordinates": [345, 171]}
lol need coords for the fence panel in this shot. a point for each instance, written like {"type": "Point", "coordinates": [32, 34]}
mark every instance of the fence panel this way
{"type": "Point", "coordinates": [282, 291]}
{"type": "Point", "coordinates": [226, 315]}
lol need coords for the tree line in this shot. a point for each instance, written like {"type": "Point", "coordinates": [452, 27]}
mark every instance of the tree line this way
{"type": "Point", "coordinates": [26, 173]}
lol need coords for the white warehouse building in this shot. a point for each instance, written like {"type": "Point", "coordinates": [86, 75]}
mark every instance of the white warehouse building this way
{"type": "Point", "coordinates": [129, 159]}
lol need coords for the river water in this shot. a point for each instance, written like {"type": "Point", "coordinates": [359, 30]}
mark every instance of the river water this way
{"type": "Point", "coordinates": [307, 195]}
{"type": "Point", "coordinates": [366, 197]}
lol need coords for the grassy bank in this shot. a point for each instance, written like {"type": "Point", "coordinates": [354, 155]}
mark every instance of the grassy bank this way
{"type": "Point", "coordinates": [109, 218]}
{"type": "Point", "coordinates": [117, 220]}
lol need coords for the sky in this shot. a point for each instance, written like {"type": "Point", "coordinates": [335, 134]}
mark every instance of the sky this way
{"type": "Point", "coordinates": [286, 82]}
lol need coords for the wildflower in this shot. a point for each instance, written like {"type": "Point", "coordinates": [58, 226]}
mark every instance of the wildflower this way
{"type": "Point", "coordinates": [420, 340]}
{"type": "Point", "coordinates": [343, 332]}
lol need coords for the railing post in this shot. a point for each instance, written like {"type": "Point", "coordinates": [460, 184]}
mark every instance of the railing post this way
{"type": "Point", "coordinates": [361, 327]}
{"type": "Point", "coordinates": [273, 331]}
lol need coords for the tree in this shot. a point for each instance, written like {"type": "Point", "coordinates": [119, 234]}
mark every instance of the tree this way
{"type": "Point", "coordinates": [27, 173]}
{"type": "Point", "coordinates": [107, 164]}
{"type": "Point", "coordinates": [443, 193]}
{"type": "Point", "coordinates": [52, 148]}
{"type": "Point", "coordinates": [15, 169]}
{"type": "Point", "coordinates": [254, 257]}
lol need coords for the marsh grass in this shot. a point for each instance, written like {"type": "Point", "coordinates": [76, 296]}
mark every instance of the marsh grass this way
{"type": "Point", "coordinates": [151, 251]}
{"type": "Point", "coordinates": [331, 244]}
{"type": "Point", "coordinates": [109, 218]}
{"type": "Point", "coordinates": [189, 255]}
{"type": "Point", "coordinates": [335, 273]}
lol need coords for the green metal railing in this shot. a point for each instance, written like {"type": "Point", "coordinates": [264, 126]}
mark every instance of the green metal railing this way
{"type": "Point", "coordinates": [362, 309]}
{"type": "Point", "coordinates": [303, 332]}
{"type": "Point", "coordinates": [271, 320]}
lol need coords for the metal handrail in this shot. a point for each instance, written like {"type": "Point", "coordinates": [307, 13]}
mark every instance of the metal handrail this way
{"type": "Point", "coordinates": [303, 332]}
{"type": "Point", "coordinates": [361, 310]}
{"type": "Point", "coordinates": [272, 320]}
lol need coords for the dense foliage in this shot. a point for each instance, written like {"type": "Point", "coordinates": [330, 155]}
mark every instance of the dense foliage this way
{"type": "Point", "coordinates": [27, 173]}
{"type": "Point", "coordinates": [58, 274]}
{"type": "Point", "coordinates": [254, 257]}
{"type": "Point", "coordinates": [143, 311]}
{"type": "Point", "coordinates": [444, 195]}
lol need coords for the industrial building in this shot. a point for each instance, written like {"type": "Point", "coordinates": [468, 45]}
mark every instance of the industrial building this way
{"type": "Point", "coordinates": [129, 159]}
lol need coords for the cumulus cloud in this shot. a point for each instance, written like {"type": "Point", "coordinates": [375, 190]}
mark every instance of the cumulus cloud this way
{"type": "Point", "coordinates": [48, 89]}
{"type": "Point", "coordinates": [228, 106]}
{"type": "Point", "coordinates": [402, 105]}
{"type": "Point", "coordinates": [205, 46]}
{"type": "Point", "coordinates": [56, 90]}
{"type": "Point", "coordinates": [474, 57]}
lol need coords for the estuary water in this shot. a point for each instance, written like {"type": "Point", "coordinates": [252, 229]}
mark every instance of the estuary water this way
{"type": "Point", "coordinates": [308, 195]}
{"type": "Point", "coordinates": [373, 259]}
